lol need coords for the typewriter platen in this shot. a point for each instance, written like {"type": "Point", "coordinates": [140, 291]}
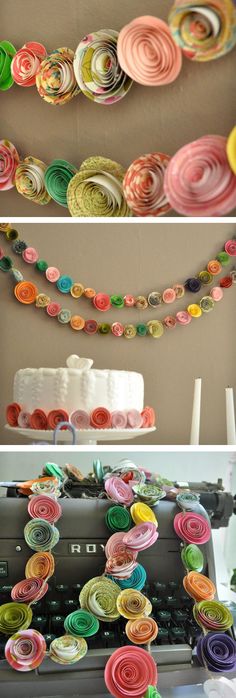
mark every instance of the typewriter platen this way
{"type": "Point", "coordinates": [79, 556]}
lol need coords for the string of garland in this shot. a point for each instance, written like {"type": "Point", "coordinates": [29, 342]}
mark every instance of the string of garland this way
{"type": "Point", "coordinates": [199, 180]}
{"type": "Point", "coordinates": [118, 592]}
{"type": "Point", "coordinates": [102, 301]}
{"type": "Point", "coordinates": [27, 293]}
{"type": "Point", "coordinates": [147, 50]}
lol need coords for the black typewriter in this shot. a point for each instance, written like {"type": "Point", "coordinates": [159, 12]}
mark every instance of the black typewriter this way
{"type": "Point", "coordinates": [79, 556]}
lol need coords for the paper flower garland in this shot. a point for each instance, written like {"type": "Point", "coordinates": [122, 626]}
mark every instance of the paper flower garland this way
{"type": "Point", "coordinates": [197, 180]}
{"type": "Point", "coordinates": [205, 29]}
{"type": "Point", "coordinates": [216, 651]}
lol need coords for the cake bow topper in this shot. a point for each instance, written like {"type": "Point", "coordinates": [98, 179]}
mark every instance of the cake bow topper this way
{"type": "Point", "coordinates": [75, 361]}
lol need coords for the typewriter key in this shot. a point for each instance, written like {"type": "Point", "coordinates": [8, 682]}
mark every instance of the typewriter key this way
{"type": "Point", "coordinates": [39, 623]}
{"type": "Point", "coordinates": [53, 606]}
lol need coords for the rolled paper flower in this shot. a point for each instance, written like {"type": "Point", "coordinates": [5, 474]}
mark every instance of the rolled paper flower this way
{"type": "Point", "coordinates": [14, 617]}
{"type": "Point", "coordinates": [12, 414]}
{"type": "Point", "coordinates": [223, 257]}
{"type": "Point", "coordinates": [81, 623]}
{"type": "Point", "coordinates": [233, 276]}
{"type": "Point", "coordinates": [121, 566]}
{"type": "Point", "coordinates": [192, 558]}
{"type": "Point", "coordinates": [183, 317]}
{"type": "Point", "coordinates": [77, 290]}
{"type": "Point", "coordinates": [25, 651]}
{"type": "Point", "coordinates": [7, 52]}
{"type": "Point", "coordinates": [187, 500]}
{"type": "Point", "coordinates": [192, 528]}
{"type": "Point", "coordinates": [80, 419]}
{"type": "Point", "coordinates": [141, 331]}
{"type": "Point", "coordinates": [155, 328]}
{"type": "Point", "coordinates": [119, 420]}
{"type": "Point", "coordinates": [198, 180]}
{"type": "Point", "coordinates": [136, 580]}
{"type": "Point", "coordinates": [64, 284]}
{"type": "Point", "coordinates": [217, 652]}
{"type": "Point", "coordinates": [213, 615]}
{"type": "Point", "coordinates": [102, 302]}
{"type": "Point", "coordinates": [77, 322]}
{"type": "Point", "coordinates": [230, 248]}
{"type": "Point", "coordinates": [141, 631]}
{"type": "Point", "coordinates": [129, 672]}
{"type": "Point", "coordinates": [29, 180]}
{"type": "Point", "coordinates": [141, 513]}
{"type": "Point", "coordinates": [152, 692]}
{"type": "Point", "coordinates": [154, 299]}
{"type": "Point", "coordinates": [118, 519]}
{"type": "Point", "coordinates": [38, 420]}
{"type": "Point", "coordinates": [150, 494]}
{"type": "Point", "coordinates": [141, 537]}
{"type": "Point", "coordinates": [5, 263]}
{"type": "Point", "coordinates": [133, 604]}
{"type": "Point", "coordinates": [206, 304]}
{"type": "Point", "coordinates": [216, 293]}
{"type": "Point", "coordinates": [226, 282]}
{"type": "Point", "coordinates": [134, 419]}
{"type": "Point", "coordinates": [24, 420]}
{"type": "Point", "coordinates": [42, 300]}
{"type": "Point", "coordinates": [9, 159]}
{"type": "Point", "coordinates": [170, 322]}
{"type": "Point", "coordinates": [64, 316]}
{"type": "Point", "coordinates": [220, 688]}
{"type": "Point", "coordinates": [199, 587]}
{"type": "Point", "coordinates": [117, 329]}
{"type": "Point", "coordinates": [130, 331]}
{"type": "Point", "coordinates": [117, 301]}
{"type": "Point", "coordinates": [44, 507]}
{"type": "Point", "coordinates": [214, 267]}
{"type": "Point", "coordinates": [148, 417]}
{"type": "Point", "coordinates": [40, 565]}
{"type": "Point", "coordinates": [54, 470]}
{"type": "Point", "coordinates": [169, 295]}
{"type": "Point", "coordinates": [26, 63]}
{"type": "Point", "coordinates": [55, 417]}
{"type": "Point", "coordinates": [205, 277]}
{"type": "Point", "coordinates": [40, 535]}
{"type": "Point", "coordinates": [55, 80]}
{"type": "Point", "coordinates": [67, 649]}
{"type": "Point", "coordinates": [231, 149]}
{"type": "Point", "coordinates": [46, 485]}
{"type": "Point", "coordinates": [96, 190]}
{"type": "Point", "coordinates": [28, 590]}
{"type": "Point", "coordinates": [89, 293]}
{"type": "Point", "coordinates": [194, 310]}
{"type": "Point", "coordinates": [53, 309]}
{"type": "Point", "coordinates": [52, 274]}
{"type": "Point", "coordinates": [148, 53]}
{"type": "Point", "coordinates": [119, 491]}
{"type": "Point", "coordinates": [205, 29]}
{"type": "Point", "coordinates": [19, 246]}
{"type": "Point", "coordinates": [129, 301]}
{"type": "Point", "coordinates": [115, 545]}
{"type": "Point", "coordinates": [91, 327]}
{"type": "Point", "coordinates": [57, 178]}
{"type": "Point", "coordinates": [17, 275]}
{"type": "Point", "coordinates": [30, 255]}
{"type": "Point", "coordinates": [100, 418]}
{"type": "Point", "coordinates": [143, 185]}
{"type": "Point", "coordinates": [97, 69]}
{"type": "Point", "coordinates": [99, 597]}
{"type": "Point", "coordinates": [193, 285]}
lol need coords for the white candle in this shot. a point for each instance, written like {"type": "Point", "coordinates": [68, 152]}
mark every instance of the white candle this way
{"type": "Point", "coordinates": [196, 412]}
{"type": "Point", "coordinates": [230, 416]}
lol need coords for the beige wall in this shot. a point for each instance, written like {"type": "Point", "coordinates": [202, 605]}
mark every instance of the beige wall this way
{"type": "Point", "coordinates": [135, 258]}
{"type": "Point", "coordinates": [202, 100]}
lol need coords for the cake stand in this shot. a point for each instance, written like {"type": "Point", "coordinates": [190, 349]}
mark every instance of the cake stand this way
{"type": "Point", "coordinates": [83, 436]}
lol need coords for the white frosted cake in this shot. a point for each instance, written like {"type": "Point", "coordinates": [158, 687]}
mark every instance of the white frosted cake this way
{"type": "Point", "coordinates": [77, 395]}
{"type": "Point", "coordinates": [78, 387]}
